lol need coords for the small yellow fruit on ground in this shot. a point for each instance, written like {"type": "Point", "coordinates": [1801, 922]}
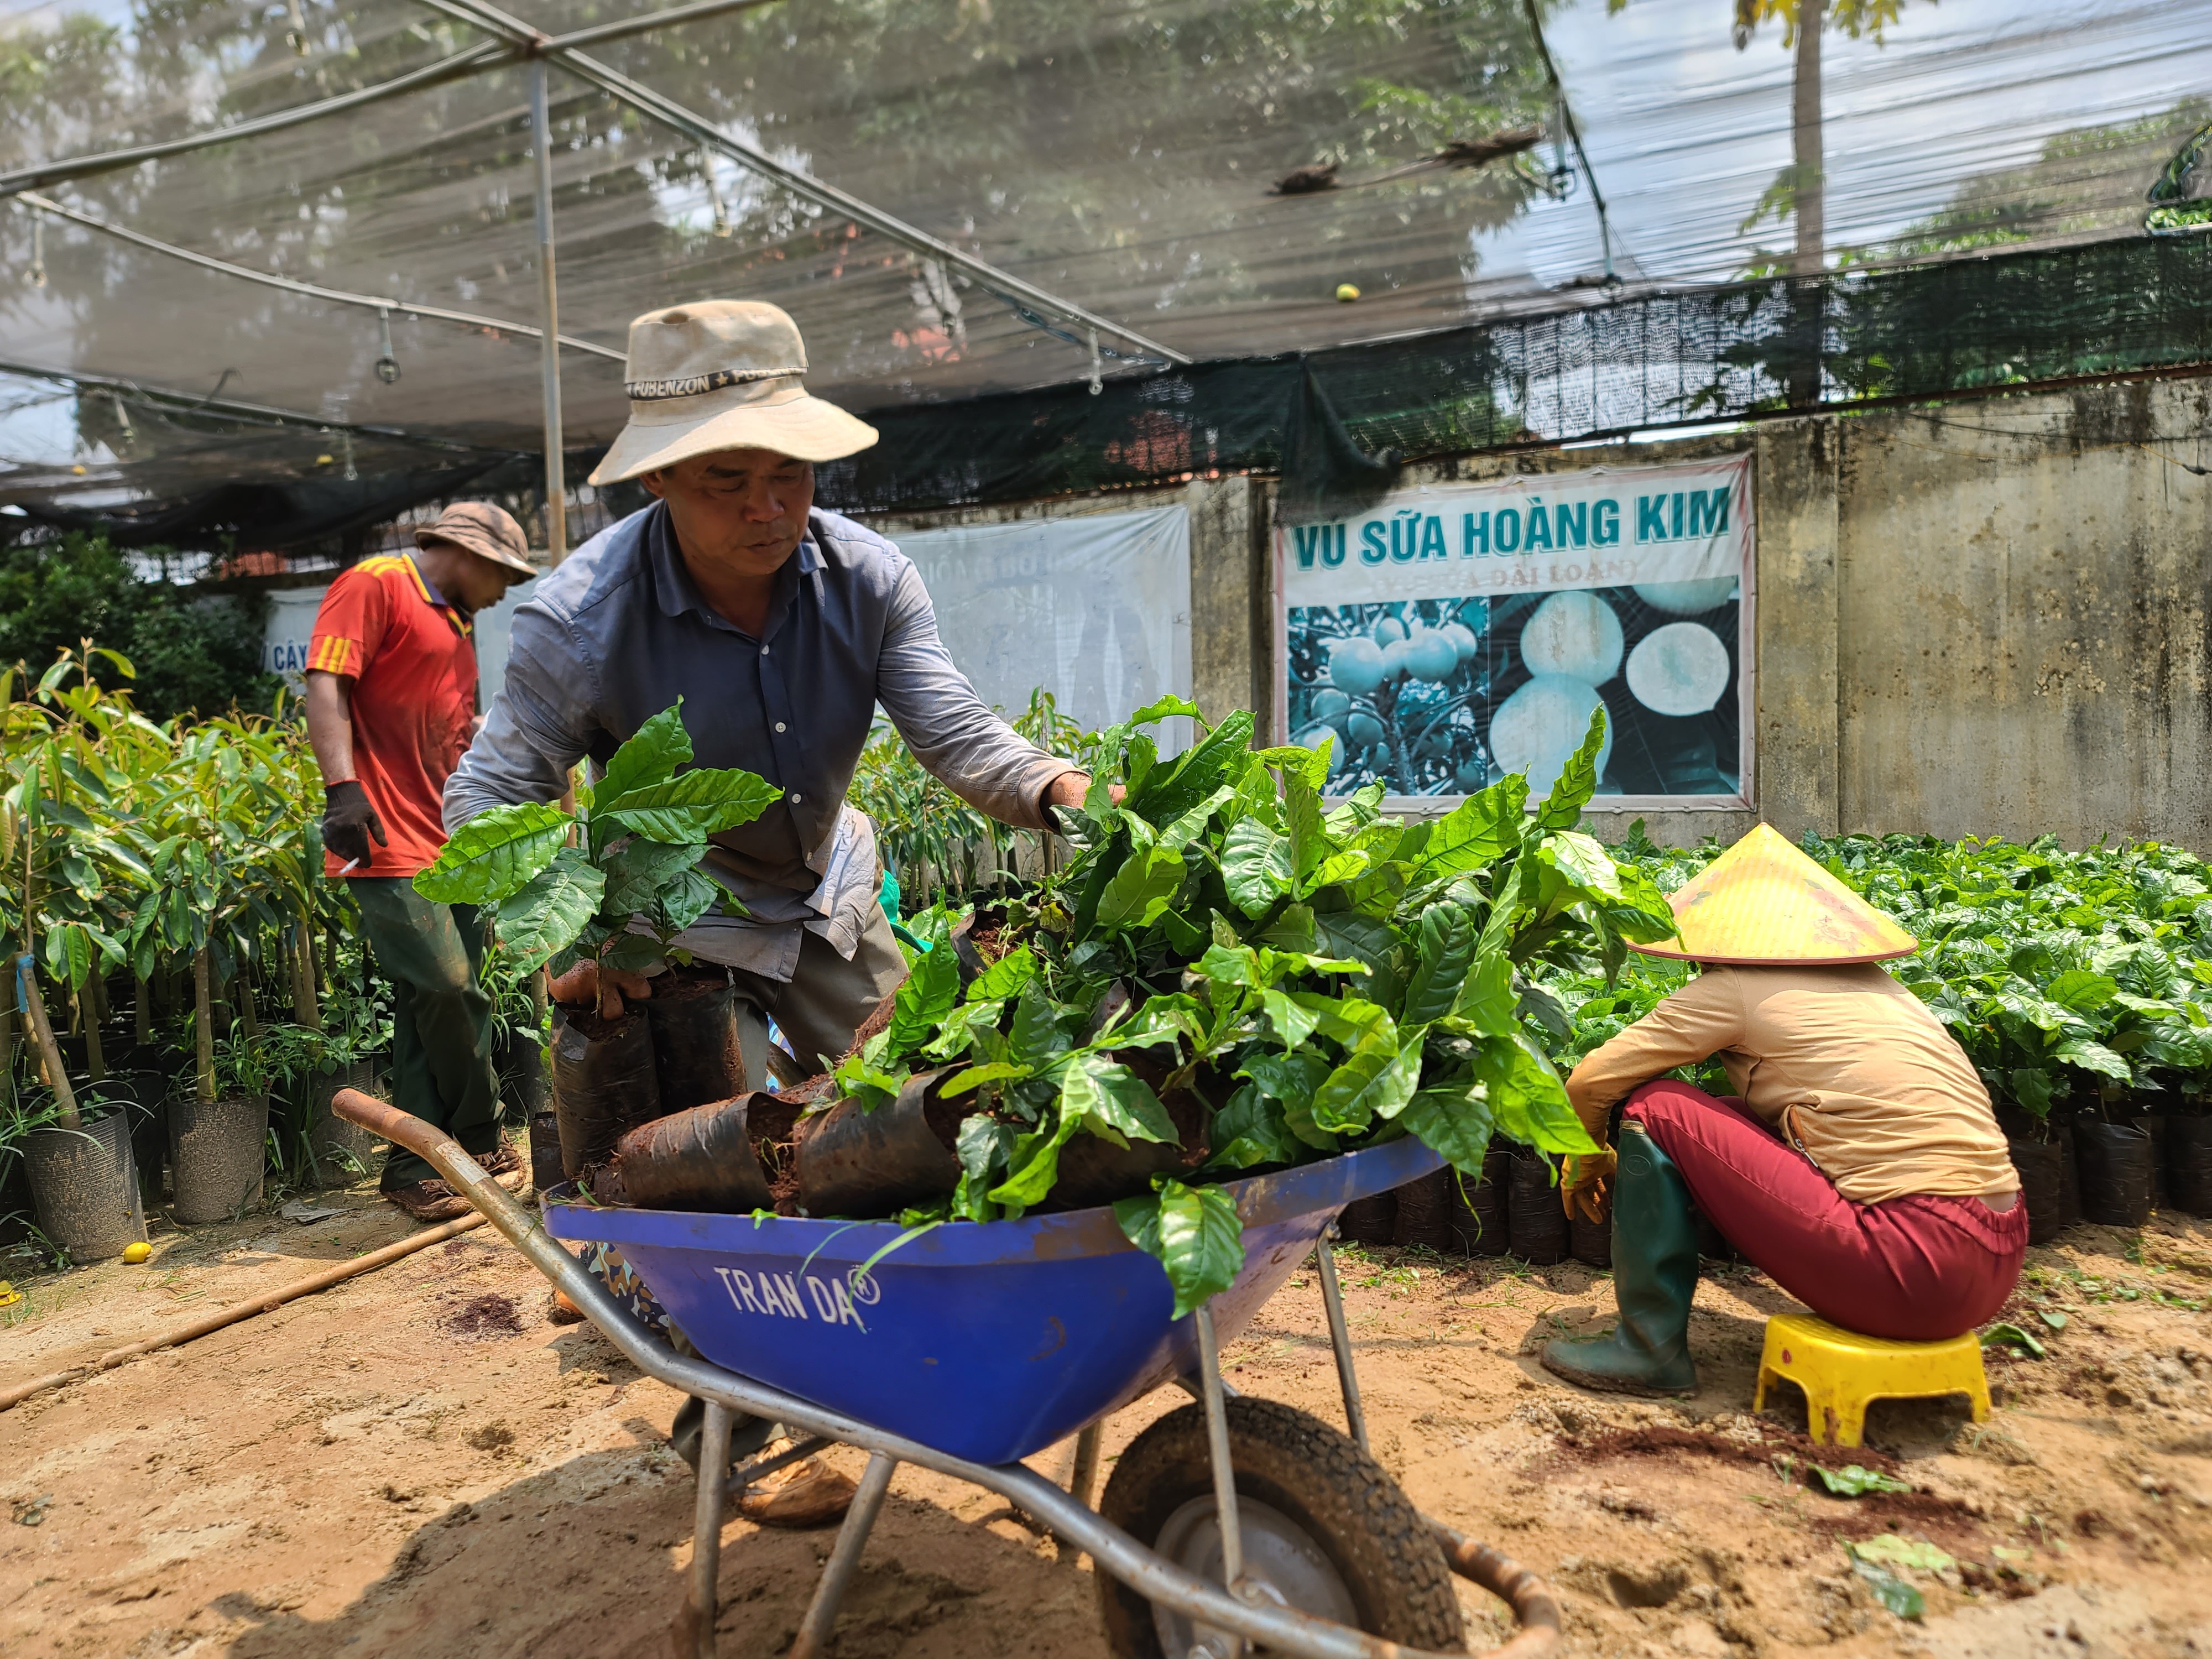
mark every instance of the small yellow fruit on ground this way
{"type": "Point", "coordinates": [135, 1254]}
{"type": "Point", "coordinates": [1346, 292]}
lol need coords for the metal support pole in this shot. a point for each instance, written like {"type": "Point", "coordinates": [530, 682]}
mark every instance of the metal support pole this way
{"type": "Point", "coordinates": [695, 1625]}
{"type": "Point", "coordinates": [1339, 1338]}
{"type": "Point", "coordinates": [813, 1638]}
{"type": "Point", "coordinates": [1225, 1475]}
{"type": "Point", "coordinates": [1086, 1473]}
{"type": "Point", "coordinates": [557, 506]}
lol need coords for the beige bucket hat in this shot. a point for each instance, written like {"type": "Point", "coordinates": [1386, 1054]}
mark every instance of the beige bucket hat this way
{"type": "Point", "coordinates": [480, 528]}
{"type": "Point", "coordinates": [722, 374]}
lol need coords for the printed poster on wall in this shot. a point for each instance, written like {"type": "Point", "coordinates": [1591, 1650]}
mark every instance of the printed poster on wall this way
{"type": "Point", "coordinates": [1455, 634]}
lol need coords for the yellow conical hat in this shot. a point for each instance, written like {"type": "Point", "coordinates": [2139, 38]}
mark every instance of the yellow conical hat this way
{"type": "Point", "coordinates": [1763, 902]}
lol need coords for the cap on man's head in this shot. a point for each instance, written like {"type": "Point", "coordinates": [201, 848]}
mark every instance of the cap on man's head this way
{"type": "Point", "coordinates": [722, 374]}
{"type": "Point", "coordinates": [478, 528]}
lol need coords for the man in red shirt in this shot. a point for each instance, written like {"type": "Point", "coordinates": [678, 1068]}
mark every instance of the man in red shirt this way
{"type": "Point", "coordinates": [391, 691]}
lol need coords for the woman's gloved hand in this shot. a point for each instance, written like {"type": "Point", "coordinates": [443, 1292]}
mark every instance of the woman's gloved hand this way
{"type": "Point", "coordinates": [1583, 1188]}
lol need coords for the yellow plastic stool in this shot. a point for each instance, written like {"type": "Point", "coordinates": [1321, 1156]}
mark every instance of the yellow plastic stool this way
{"type": "Point", "coordinates": [1841, 1372]}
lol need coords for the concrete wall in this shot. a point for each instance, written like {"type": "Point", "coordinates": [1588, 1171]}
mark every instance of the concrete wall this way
{"type": "Point", "coordinates": [1989, 617]}
{"type": "Point", "coordinates": [2022, 616]}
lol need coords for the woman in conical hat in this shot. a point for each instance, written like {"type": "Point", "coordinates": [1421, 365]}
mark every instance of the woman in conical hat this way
{"type": "Point", "coordinates": [1858, 1165]}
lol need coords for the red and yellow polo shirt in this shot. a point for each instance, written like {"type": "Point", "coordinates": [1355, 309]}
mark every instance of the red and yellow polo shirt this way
{"type": "Point", "coordinates": [413, 671]}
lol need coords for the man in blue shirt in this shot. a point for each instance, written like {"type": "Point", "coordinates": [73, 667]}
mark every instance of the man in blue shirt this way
{"type": "Point", "coordinates": [782, 627]}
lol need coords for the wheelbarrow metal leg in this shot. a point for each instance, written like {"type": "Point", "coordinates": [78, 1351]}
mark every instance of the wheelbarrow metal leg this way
{"type": "Point", "coordinates": [1339, 1338]}
{"type": "Point", "coordinates": [1224, 1473]}
{"type": "Point", "coordinates": [812, 1641]}
{"type": "Point", "coordinates": [695, 1625]}
{"type": "Point", "coordinates": [1085, 1475]}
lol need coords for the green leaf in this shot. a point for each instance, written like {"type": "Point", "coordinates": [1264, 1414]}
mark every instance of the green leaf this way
{"type": "Point", "coordinates": [1141, 890]}
{"type": "Point", "coordinates": [2082, 991]}
{"type": "Point", "coordinates": [690, 806]}
{"type": "Point", "coordinates": [650, 756]}
{"type": "Point", "coordinates": [2052, 1317]}
{"type": "Point", "coordinates": [2087, 1056]}
{"type": "Point", "coordinates": [1527, 1100]}
{"type": "Point", "coordinates": [1914, 1552]}
{"type": "Point", "coordinates": [860, 1078]}
{"type": "Point", "coordinates": [983, 1146]}
{"type": "Point", "coordinates": [1293, 1022]}
{"type": "Point", "coordinates": [2012, 1336]}
{"type": "Point", "coordinates": [1892, 1592]}
{"type": "Point", "coordinates": [638, 869]}
{"type": "Point", "coordinates": [1255, 866]}
{"type": "Point", "coordinates": [1037, 1037]}
{"type": "Point", "coordinates": [494, 854]}
{"type": "Point", "coordinates": [69, 954]}
{"type": "Point", "coordinates": [1250, 1131]}
{"type": "Point", "coordinates": [1035, 1162]}
{"type": "Point", "coordinates": [1478, 832]}
{"type": "Point", "coordinates": [1104, 1092]}
{"type": "Point", "coordinates": [1485, 1002]}
{"type": "Point", "coordinates": [1375, 1080]}
{"type": "Point", "coordinates": [1447, 947]}
{"type": "Point", "coordinates": [975, 1077]}
{"type": "Point", "coordinates": [932, 988]}
{"type": "Point", "coordinates": [1854, 1482]}
{"type": "Point", "coordinates": [1005, 977]}
{"type": "Point", "coordinates": [1453, 1119]}
{"type": "Point", "coordinates": [962, 1029]}
{"type": "Point", "coordinates": [1218, 755]}
{"type": "Point", "coordinates": [1194, 1233]}
{"type": "Point", "coordinates": [1287, 1077]}
{"type": "Point", "coordinates": [1582, 861]}
{"type": "Point", "coordinates": [1302, 820]}
{"type": "Point", "coordinates": [690, 896]}
{"type": "Point", "coordinates": [545, 916]}
{"type": "Point", "coordinates": [1578, 783]}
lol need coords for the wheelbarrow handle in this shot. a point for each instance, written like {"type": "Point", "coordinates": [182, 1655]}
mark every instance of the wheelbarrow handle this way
{"type": "Point", "coordinates": [1110, 1548]}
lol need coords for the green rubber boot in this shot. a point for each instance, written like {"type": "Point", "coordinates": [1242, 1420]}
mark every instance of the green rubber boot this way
{"type": "Point", "coordinates": [1655, 1274]}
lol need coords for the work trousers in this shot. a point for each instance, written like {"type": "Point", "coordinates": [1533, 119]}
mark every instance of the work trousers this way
{"type": "Point", "coordinates": [1919, 1268]}
{"type": "Point", "coordinates": [828, 997]}
{"type": "Point", "coordinates": [441, 1064]}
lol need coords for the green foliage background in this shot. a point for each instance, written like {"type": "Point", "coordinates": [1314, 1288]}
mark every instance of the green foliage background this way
{"type": "Point", "coordinates": [195, 652]}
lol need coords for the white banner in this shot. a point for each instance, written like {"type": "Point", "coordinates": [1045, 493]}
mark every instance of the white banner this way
{"type": "Point", "coordinates": [1094, 608]}
{"type": "Point", "coordinates": [1461, 632]}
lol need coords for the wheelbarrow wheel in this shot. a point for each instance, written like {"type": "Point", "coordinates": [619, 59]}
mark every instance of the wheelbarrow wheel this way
{"type": "Point", "coordinates": [1324, 1526]}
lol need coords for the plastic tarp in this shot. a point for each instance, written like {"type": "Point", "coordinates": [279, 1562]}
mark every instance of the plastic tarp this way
{"type": "Point", "coordinates": [1127, 157]}
{"type": "Point", "coordinates": [1094, 608]}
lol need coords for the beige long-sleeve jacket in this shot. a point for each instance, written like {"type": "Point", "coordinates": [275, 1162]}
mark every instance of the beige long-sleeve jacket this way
{"type": "Point", "coordinates": [1845, 1063]}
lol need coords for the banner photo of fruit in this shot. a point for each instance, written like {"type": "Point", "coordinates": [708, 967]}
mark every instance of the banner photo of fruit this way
{"type": "Point", "coordinates": [1460, 632]}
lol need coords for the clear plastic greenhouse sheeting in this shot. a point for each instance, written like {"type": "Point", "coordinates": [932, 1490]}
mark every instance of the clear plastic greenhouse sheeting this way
{"type": "Point", "coordinates": [1123, 157]}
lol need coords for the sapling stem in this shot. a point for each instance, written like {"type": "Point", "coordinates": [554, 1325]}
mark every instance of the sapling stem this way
{"type": "Point", "coordinates": [140, 990]}
{"type": "Point", "coordinates": [95, 1054]}
{"type": "Point", "coordinates": [49, 1050]}
{"type": "Point", "coordinates": [202, 1030]}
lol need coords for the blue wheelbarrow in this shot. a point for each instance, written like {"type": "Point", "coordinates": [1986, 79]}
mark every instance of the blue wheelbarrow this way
{"type": "Point", "coordinates": [1230, 1524]}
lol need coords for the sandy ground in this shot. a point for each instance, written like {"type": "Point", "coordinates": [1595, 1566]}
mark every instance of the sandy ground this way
{"type": "Point", "coordinates": [419, 1463]}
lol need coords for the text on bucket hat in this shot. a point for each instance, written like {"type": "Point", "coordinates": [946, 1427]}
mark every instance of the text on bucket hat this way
{"type": "Point", "coordinates": [722, 374]}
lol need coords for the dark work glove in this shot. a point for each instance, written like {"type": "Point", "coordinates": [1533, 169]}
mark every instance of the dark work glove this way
{"type": "Point", "coordinates": [349, 820]}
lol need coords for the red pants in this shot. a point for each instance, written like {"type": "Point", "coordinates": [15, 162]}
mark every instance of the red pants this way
{"type": "Point", "coordinates": [1913, 1269]}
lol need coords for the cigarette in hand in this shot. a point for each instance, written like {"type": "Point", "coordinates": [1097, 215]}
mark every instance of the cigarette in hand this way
{"type": "Point", "coordinates": [347, 867]}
